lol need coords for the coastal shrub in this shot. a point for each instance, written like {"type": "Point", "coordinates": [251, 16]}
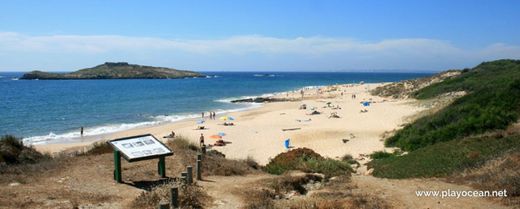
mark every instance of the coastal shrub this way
{"type": "Point", "coordinates": [349, 159]}
{"type": "Point", "coordinates": [278, 193]}
{"type": "Point", "coordinates": [306, 160]}
{"type": "Point", "coordinates": [492, 103]}
{"type": "Point", "coordinates": [190, 196]}
{"type": "Point", "coordinates": [445, 158]}
{"type": "Point", "coordinates": [380, 155]}
{"type": "Point", "coordinates": [497, 174]}
{"type": "Point", "coordinates": [98, 148]}
{"type": "Point", "coordinates": [384, 154]}
{"type": "Point", "coordinates": [214, 163]}
{"type": "Point", "coordinates": [219, 166]}
{"type": "Point", "coordinates": [288, 183]}
{"type": "Point", "coordinates": [182, 143]}
{"type": "Point", "coordinates": [13, 151]}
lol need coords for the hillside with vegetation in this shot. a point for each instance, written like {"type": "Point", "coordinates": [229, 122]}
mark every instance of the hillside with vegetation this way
{"type": "Point", "coordinates": [492, 102]}
{"type": "Point", "coordinates": [475, 139]}
{"type": "Point", "coordinates": [114, 70]}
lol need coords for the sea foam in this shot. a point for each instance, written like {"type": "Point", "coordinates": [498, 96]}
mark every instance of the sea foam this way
{"type": "Point", "coordinates": [99, 131]}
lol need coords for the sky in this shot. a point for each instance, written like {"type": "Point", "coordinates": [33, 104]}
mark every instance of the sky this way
{"type": "Point", "coordinates": [262, 35]}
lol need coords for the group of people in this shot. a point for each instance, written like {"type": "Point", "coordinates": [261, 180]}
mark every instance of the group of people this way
{"type": "Point", "coordinates": [212, 115]}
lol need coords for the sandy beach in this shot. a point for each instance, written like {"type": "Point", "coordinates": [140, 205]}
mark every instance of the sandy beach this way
{"type": "Point", "coordinates": [259, 133]}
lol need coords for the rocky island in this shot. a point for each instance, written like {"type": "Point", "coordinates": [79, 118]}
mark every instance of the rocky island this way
{"type": "Point", "coordinates": [115, 70]}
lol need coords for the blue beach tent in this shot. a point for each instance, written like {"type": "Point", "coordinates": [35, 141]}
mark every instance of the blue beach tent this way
{"type": "Point", "coordinates": [287, 143]}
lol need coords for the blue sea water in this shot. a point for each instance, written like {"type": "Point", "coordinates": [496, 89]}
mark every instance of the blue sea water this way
{"type": "Point", "coordinates": [54, 110]}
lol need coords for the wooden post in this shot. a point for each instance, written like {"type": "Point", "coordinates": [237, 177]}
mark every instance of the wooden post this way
{"type": "Point", "coordinates": [184, 177]}
{"type": "Point", "coordinates": [174, 197]}
{"type": "Point", "coordinates": [189, 178]}
{"type": "Point", "coordinates": [203, 149]}
{"type": "Point", "coordinates": [163, 205]}
{"type": "Point", "coordinates": [161, 167]}
{"type": "Point", "coordinates": [199, 167]}
{"type": "Point", "coordinates": [117, 167]}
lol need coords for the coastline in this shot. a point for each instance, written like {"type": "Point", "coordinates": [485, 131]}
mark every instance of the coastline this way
{"type": "Point", "coordinates": [259, 134]}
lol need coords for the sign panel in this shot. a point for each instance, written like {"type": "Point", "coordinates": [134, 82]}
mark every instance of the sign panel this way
{"type": "Point", "coordinates": [140, 147]}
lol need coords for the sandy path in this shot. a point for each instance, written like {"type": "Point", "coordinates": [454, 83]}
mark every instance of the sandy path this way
{"type": "Point", "coordinates": [401, 193]}
{"type": "Point", "coordinates": [223, 189]}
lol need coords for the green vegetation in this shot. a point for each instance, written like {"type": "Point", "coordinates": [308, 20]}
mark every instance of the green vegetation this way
{"type": "Point", "coordinates": [492, 102]}
{"type": "Point", "coordinates": [306, 160]}
{"type": "Point", "coordinates": [115, 70]}
{"type": "Point", "coordinates": [465, 134]}
{"type": "Point", "coordinates": [383, 154]}
{"type": "Point", "coordinates": [444, 158]}
{"type": "Point", "coordinates": [12, 151]}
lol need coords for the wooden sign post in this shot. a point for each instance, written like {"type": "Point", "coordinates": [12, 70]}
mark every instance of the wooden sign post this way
{"type": "Point", "coordinates": [137, 148]}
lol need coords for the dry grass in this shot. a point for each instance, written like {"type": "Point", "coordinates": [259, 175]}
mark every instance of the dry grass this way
{"type": "Point", "coordinates": [214, 162]}
{"type": "Point", "coordinates": [190, 196]}
{"type": "Point", "coordinates": [334, 194]}
{"type": "Point", "coordinates": [497, 174]}
{"type": "Point", "coordinates": [98, 148]}
{"type": "Point", "coordinates": [13, 151]}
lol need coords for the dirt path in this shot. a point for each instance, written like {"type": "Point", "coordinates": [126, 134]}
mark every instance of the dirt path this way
{"type": "Point", "coordinates": [225, 192]}
{"type": "Point", "coordinates": [401, 193]}
{"type": "Point", "coordinates": [223, 189]}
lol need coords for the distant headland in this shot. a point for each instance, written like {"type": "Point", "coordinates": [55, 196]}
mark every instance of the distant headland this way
{"type": "Point", "coordinates": [114, 70]}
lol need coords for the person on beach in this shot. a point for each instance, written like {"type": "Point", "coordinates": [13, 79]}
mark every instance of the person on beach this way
{"type": "Point", "coordinates": [214, 115]}
{"type": "Point", "coordinates": [201, 140]}
{"type": "Point", "coordinates": [302, 93]}
{"type": "Point", "coordinates": [81, 131]}
{"type": "Point", "coordinates": [202, 115]}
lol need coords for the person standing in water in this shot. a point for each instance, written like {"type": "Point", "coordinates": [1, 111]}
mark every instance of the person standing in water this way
{"type": "Point", "coordinates": [81, 131]}
{"type": "Point", "coordinates": [202, 115]}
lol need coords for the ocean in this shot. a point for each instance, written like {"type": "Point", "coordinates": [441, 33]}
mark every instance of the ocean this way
{"type": "Point", "coordinates": [52, 111]}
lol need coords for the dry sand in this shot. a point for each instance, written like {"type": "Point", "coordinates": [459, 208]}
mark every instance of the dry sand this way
{"type": "Point", "coordinates": [258, 132]}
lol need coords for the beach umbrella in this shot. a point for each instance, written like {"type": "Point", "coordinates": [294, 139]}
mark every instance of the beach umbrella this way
{"type": "Point", "coordinates": [215, 137]}
{"type": "Point", "coordinates": [227, 118]}
{"type": "Point", "coordinates": [221, 134]}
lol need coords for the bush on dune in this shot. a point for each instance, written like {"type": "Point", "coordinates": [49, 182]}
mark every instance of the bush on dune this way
{"type": "Point", "coordinates": [383, 154]}
{"type": "Point", "coordinates": [307, 160]}
{"type": "Point", "coordinates": [215, 163]}
{"type": "Point", "coordinates": [13, 151]}
{"type": "Point", "coordinates": [190, 196]}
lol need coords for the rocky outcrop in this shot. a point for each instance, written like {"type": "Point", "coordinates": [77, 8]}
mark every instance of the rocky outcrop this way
{"type": "Point", "coordinates": [114, 70]}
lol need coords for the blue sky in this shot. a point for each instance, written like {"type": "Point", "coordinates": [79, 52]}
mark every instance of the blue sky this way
{"type": "Point", "coordinates": [258, 35]}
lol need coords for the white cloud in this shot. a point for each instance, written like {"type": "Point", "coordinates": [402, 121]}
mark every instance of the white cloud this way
{"type": "Point", "coordinates": [18, 51]}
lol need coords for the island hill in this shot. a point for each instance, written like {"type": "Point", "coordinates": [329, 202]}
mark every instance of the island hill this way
{"type": "Point", "coordinates": [115, 70]}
